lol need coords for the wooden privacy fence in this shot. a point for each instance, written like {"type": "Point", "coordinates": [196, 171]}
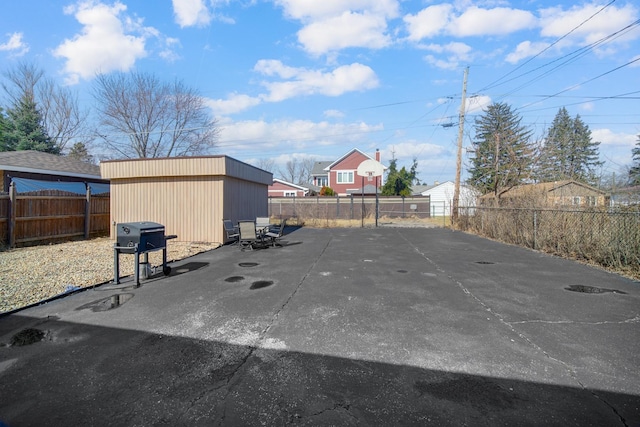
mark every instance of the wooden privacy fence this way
{"type": "Point", "coordinates": [44, 216]}
{"type": "Point", "coordinates": [349, 207]}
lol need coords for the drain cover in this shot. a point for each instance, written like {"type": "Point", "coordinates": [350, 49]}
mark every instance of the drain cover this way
{"type": "Point", "coordinates": [27, 336]}
{"type": "Point", "coordinates": [591, 289]}
{"type": "Point", "coordinates": [234, 279]}
{"type": "Point", "coordinates": [248, 264]}
{"type": "Point", "coordinates": [259, 284]}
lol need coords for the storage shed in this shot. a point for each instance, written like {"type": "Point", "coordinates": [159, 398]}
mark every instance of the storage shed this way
{"type": "Point", "coordinates": [190, 196]}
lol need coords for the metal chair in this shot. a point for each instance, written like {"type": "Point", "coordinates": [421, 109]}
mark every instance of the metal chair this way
{"type": "Point", "coordinates": [231, 231]}
{"type": "Point", "coordinates": [248, 235]}
{"type": "Point", "coordinates": [262, 224]}
{"type": "Point", "coordinates": [274, 236]}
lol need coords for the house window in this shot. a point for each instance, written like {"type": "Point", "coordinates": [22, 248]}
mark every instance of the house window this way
{"type": "Point", "coordinates": [289, 194]}
{"type": "Point", "coordinates": [591, 200]}
{"type": "Point", "coordinates": [345, 177]}
{"type": "Point", "coordinates": [322, 181]}
{"type": "Point", "coordinates": [576, 201]}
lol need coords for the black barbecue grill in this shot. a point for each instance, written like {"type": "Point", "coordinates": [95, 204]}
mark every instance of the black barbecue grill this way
{"type": "Point", "coordinates": [140, 238]}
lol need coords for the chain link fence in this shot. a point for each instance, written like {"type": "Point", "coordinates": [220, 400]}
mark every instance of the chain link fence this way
{"type": "Point", "coordinates": [608, 237]}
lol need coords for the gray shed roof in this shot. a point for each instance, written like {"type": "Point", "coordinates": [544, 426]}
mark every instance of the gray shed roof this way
{"type": "Point", "coordinates": [45, 163]}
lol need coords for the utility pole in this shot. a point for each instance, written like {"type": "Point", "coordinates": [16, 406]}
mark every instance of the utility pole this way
{"type": "Point", "coordinates": [456, 188]}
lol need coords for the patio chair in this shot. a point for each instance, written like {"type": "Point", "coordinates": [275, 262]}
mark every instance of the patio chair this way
{"type": "Point", "coordinates": [248, 235]}
{"type": "Point", "coordinates": [275, 235]}
{"type": "Point", "coordinates": [231, 231]}
{"type": "Point", "coordinates": [262, 224]}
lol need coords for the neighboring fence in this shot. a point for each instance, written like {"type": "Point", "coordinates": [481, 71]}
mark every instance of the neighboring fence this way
{"type": "Point", "coordinates": [608, 237]}
{"type": "Point", "coordinates": [44, 216]}
{"type": "Point", "coordinates": [348, 207]}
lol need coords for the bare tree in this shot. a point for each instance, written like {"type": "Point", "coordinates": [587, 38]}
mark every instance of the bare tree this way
{"type": "Point", "coordinates": [268, 165]}
{"type": "Point", "coordinates": [140, 116]}
{"type": "Point", "coordinates": [63, 119]}
{"type": "Point", "coordinates": [298, 170]}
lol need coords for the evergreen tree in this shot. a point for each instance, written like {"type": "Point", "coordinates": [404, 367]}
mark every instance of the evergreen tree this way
{"type": "Point", "coordinates": [502, 151]}
{"type": "Point", "coordinates": [568, 151]}
{"type": "Point", "coordinates": [5, 130]}
{"type": "Point", "coordinates": [399, 182]}
{"type": "Point", "coordinates": [27, 130]}
{"type": "Point", "coordinates": [79, 152]}
{"type": "Point", "coordinates": [634, 171]}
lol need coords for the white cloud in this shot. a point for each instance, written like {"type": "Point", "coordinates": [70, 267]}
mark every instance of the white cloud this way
{"type": "Point", "coordinates": [475, 104]}
{"type": "Point", "coordinates": [311, 10]}
{"type": "Point", "coordinates": [298, 82]}
{"type": "Point", "coordinates": [474, 21]}
{"type": "Point", "coordinates": [103, 45]}
{"type": "Point", "coordinates": [428, 22]}
{"type": "Point", "coordinates": [190, 13]}
{"type": "Point", "coordinates": [337, 24]}
{"type": "Point", "coordinates": [15, 45]}
{"type": "Point", "coordinates": [456, 53]}
{"type": "Point", "coordinates": [524, 50]}
{"type": "Point", "coordinates": [235, 103]}
{"type": "Point", "coordinates": [257, 137]}
{"type": "Point", "coordinates": [556, 22]}
{"type": "Point", "coordinates": [344, 31]}
{"type": "Point", "coordinates": [498, 21]}
{"type": "Point", "coordinates": [302, 82]}
{"type": "Point", "coordinates": [333, 114]}
{"type": "Point", "coordinates": [607, 137]}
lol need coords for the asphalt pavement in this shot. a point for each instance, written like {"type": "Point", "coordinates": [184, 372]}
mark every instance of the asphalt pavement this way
{"type": "Point", "coordinates": [337, 327]}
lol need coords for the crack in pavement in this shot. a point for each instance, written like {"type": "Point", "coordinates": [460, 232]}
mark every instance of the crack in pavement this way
{"type": "Point", "coordinates": [635, 319]}
{"type": "Point", "coordinates": [571, 371]}
{"type": "Point", "coordinates": [262, 335]}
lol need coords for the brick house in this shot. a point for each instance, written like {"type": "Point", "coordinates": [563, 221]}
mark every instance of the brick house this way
{"type": "Point", "coordinates": [281, 188]}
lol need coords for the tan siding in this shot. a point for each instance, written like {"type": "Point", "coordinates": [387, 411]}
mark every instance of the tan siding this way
{"type": "Point", "coordinates": [186, 207]}
{"type": "Point", "coordinates": [189, 196]}
{"type": "Point", "coordinates": [185, 166]}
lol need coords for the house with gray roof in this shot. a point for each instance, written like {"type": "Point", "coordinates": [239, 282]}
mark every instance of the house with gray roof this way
{"type": "Point", "coordinates": [33, 170]}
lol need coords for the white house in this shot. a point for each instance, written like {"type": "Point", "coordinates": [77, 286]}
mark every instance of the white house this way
{"type": "Point", "coordinates": [441, 194]}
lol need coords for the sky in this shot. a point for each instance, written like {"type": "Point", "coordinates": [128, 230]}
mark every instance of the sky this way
{"type": "Point", "coordinates": [293, 79]}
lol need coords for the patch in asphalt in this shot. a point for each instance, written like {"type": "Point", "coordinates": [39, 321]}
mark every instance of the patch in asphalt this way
{"type": "Point", "coordinates": [106, 304]}
{"type": "Point", "coordinates": [402, 271]}
{"type": "Point", "coordinates": [592, 289]}
{"type": "Point", "coordinates": [234, 279]}
{"type": "Point", "coordinates": [259, 284]}
{"type": "Point", "coordinates": [248, 264]}
{"type": "Point", "coordinates": [485, 262]}
{"type": "Point", "coordinates": [27, 336]}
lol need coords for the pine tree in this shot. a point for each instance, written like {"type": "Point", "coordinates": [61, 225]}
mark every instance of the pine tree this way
{"type": "Point", "coordinates": [502, 151]}
{"type": "Point", "coordinates": [634, 171]}
{"type": "Point", "coordinates": [79, 152]}
{"type": "Point", "coordinates": [27, 130]}
{"type": "Point", "coordinates": [568, 151]}
{"type": "Point", "coordinates": [5, 130]}
{"type": "Point", "coordinates": [399, 182]}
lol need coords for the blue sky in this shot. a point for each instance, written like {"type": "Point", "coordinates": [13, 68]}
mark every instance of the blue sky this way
{"type": "Point", "coordinates": [309, 78]}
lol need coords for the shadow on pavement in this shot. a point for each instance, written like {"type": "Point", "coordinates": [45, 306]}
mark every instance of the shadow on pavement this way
{"type": "Point", "coordinates": [80, 374]}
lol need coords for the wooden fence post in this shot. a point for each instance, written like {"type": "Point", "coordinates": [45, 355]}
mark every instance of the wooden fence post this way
{"type": "Point", "coordinates": [87, 213]}
{"type": "Point", "coordinates": [11, 224]}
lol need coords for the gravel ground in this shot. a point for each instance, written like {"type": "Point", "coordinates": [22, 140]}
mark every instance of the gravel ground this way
{"type": "Point", "coordinates": [29, 275]}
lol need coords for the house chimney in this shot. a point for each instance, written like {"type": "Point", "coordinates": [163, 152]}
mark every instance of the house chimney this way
{"type": "Point", "coordinates": [377, 155]}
